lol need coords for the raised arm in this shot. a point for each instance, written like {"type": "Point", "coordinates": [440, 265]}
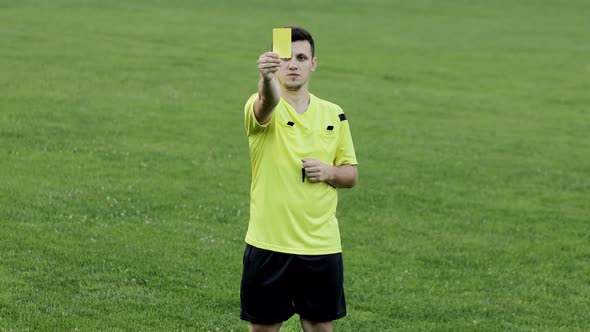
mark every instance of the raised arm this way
{"type": "Point", "coordinates": [269, 92]}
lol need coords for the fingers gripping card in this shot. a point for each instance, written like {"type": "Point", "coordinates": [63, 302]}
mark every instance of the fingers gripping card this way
{"type": "Point", "coordinates": [281, 42]}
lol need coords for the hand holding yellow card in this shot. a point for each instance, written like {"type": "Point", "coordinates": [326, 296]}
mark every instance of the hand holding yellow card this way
{"type": "Point", "coordinates": [281, 42]}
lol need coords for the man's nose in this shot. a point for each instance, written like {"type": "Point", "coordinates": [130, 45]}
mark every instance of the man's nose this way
{"type": "Point", "coordinates": [292, 63]}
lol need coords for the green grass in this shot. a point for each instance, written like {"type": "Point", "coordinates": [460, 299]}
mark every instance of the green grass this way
{"type": "Point", "coordinates": [124, 169]}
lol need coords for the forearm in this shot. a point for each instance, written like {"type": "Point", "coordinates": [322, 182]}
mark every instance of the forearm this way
{"type": "Point", "coordinates": [343, 176]}
{"type": "Point", "coordinates": [268, 98]}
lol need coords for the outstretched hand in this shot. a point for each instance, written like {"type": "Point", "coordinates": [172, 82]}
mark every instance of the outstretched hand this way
{"type": "Point", "coordinates": [268, 64]}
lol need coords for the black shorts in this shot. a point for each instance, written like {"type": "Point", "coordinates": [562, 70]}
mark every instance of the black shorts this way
{"type": "Point", "coordinates": [276, 285]}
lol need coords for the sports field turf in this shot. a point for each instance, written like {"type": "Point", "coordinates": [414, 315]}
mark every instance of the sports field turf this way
{"type": "Point", "coordinates": [124, 168]}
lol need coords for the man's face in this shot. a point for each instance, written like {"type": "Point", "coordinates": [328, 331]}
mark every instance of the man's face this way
{"type": "Point", "coordinates": [294, 73]}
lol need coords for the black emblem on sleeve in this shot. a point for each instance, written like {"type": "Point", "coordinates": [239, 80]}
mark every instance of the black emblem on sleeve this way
{"type": "Point", "coordinates": [291, 123]}
{"type": "Point", "coordinates": [342, 117]}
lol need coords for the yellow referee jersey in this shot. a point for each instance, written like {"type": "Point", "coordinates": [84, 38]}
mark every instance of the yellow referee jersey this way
{"type": "Point", "coordinates": [288, 213]}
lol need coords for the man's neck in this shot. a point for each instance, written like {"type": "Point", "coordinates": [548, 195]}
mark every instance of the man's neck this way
{"type": "Point", "coordinates": [298, 99]}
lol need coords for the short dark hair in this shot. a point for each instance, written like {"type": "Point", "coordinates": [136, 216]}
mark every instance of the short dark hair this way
{"type": "Point", "coordinates": [298, 33]}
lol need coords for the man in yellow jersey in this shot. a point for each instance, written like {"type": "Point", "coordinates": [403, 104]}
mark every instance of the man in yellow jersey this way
{"type": "Point", "coordinates": [301, 150]}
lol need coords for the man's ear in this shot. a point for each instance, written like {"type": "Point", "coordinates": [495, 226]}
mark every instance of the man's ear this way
{"type": "Point", "coordinates": [314, 64]}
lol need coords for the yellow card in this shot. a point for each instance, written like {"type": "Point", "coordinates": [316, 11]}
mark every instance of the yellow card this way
{"type": "Point", "coordinates": [281, 42]}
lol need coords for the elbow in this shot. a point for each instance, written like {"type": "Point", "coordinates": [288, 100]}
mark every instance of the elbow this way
{"type": "Point", "coordinates": [346, 177]}
{"type": "Point", "coordinates": [353, 179]}
{"type": "Point", "coordinates": [343, 184]}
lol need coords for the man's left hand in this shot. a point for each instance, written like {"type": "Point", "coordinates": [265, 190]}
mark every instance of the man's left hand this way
{"type": "Point", "coordinates": [316, 171]}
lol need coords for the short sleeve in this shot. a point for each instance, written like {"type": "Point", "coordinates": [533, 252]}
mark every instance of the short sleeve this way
{"type": "Point", "coordinates": [345, 154]}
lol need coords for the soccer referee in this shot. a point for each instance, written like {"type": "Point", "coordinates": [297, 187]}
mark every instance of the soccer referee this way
{"type": "Point", "coordinates": [301, 150]}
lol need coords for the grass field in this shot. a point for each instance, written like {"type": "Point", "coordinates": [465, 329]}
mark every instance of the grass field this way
{"type": "Point", "coordinates": [124, 168]}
